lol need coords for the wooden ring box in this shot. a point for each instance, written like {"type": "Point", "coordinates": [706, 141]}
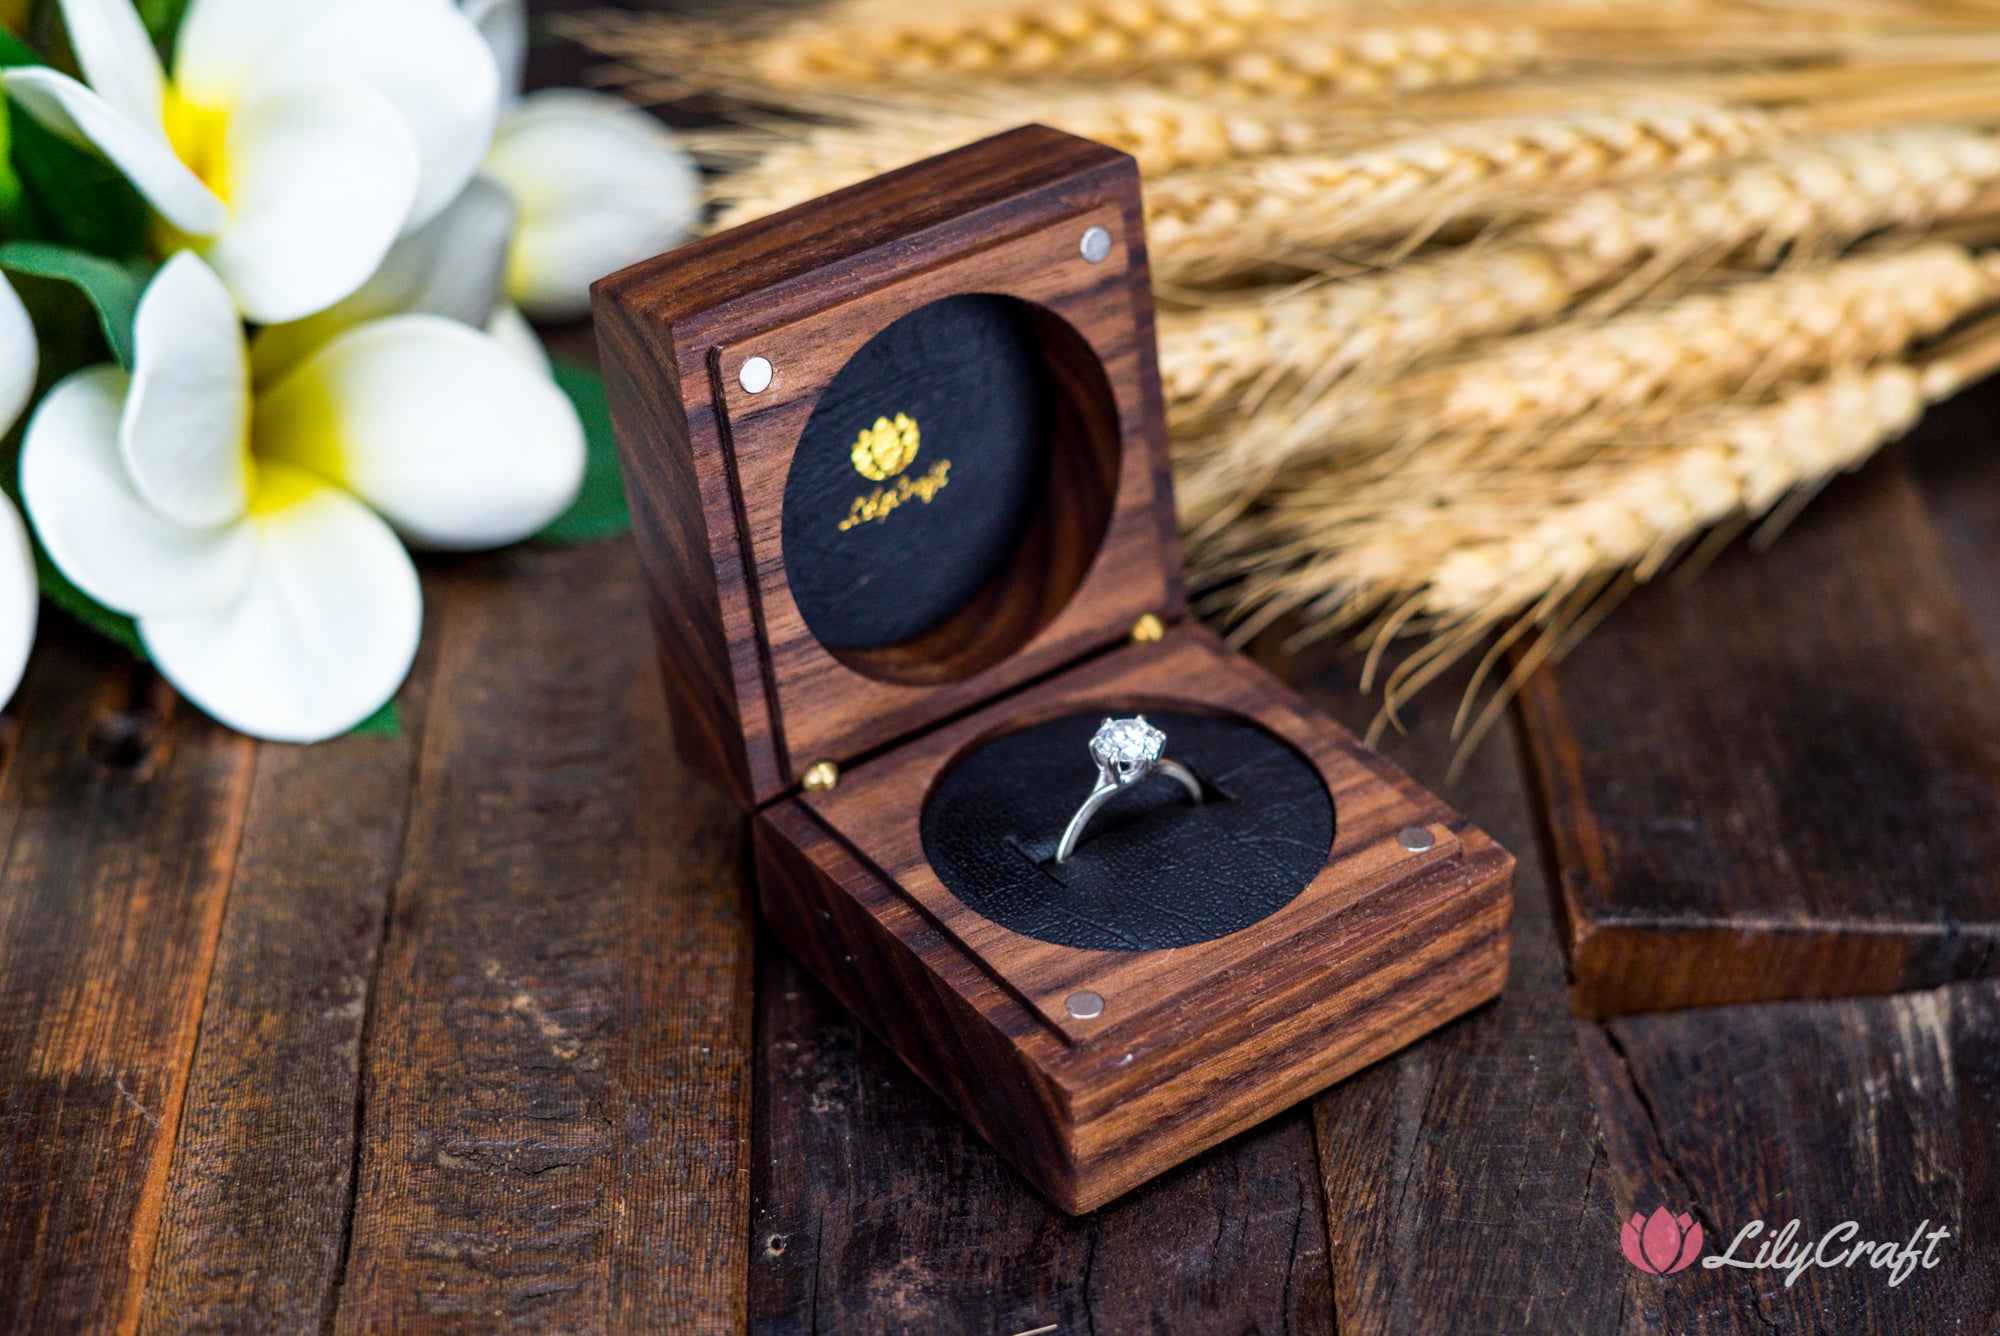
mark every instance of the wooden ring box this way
{"type": "Point", "coordinates": [1193, 1043]}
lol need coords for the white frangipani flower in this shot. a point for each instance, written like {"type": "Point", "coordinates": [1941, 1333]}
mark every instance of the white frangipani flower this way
{"type": "Point", "coordinates": [238, 524]}
{"type": "Point", "coordinates": [294, 141]}
{"type": "Point", "coordinates": [19, 600]}
{"type": "Point", "coordinates": [599, 184]}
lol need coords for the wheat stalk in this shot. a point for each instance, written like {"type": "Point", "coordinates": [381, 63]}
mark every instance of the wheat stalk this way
{"type": "Point", "coordinates": [1210, 359]}
{"type": "Point", "coordinates": [1101, 37]}
{"type": "Point", "coordinates": [1348, 62]}
{"type": "Point", "coordinates": [1811, 192]}
{"type": "Point", "coordinates": [1209, 224]}
{"type": "Point", "coordinates": [1546, 551]}
{"type": "Point", "coordinates": [1543, 393]}
{"type": "Point", "coordinates": [1165, 132]}
{"type": "Point", "coordinates": [1225, 48]}
{"type": "Point", "coordinates": [1639, 512]}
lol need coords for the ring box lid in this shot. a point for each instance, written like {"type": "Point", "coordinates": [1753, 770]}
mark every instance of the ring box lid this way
{"type": "Point", "coordinates": [758, 699]}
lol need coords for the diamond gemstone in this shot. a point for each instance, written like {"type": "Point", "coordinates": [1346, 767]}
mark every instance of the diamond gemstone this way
{"type": "Point", "coordinates": [1127, 743]}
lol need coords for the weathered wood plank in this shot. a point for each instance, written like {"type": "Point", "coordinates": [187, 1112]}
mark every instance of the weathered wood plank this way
{"type": "Point", "coordinates": [263, 1176]}
{"type": "Point", "coordinates": [1782, 780]}
{"type": "Point", "coordinates": [120, 813]}
{"type": "Point", "coordinates": [556, 1069]}
{"type": "Point", "coordinates": [1956, 463]}
{"type": "Point", "coordinates": [1464, 1176]}
{"type": "Point", "coordinates": [1880, 1111]}
{"type": "Point", "coordinates": [877, 1209]}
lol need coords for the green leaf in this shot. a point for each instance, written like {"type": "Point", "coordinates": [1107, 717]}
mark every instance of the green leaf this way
{"type": "Point", "coordinates": [14, 51]}
{"type": "Point", "coordinates": [112, 288]}
{"type": "Point", "coordinates": [10, 180]}
{"type": "Point", "coordinates": [163, 20]}
{"type": "Point", "coordinates": [599, 510]}
{"type": "Point", "coordinates": [113, 626]}
{"type": "Point", "coordinates": [73, 196]}
{"type": "Point", "coordinates": [386, 722]}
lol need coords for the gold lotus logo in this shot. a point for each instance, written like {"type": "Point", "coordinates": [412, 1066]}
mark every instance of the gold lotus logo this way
{"type": "Point", "coordinates": [880, 453]}
{"type": "Point", "coordinates": [885, 449]}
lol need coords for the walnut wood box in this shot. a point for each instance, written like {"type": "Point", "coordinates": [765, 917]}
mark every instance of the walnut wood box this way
{"type": "Point", "coordinates": [1193, 1043]}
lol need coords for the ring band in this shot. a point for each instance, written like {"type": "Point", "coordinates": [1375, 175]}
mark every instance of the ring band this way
{"type": "Point", "coordinates": [1127, 751]}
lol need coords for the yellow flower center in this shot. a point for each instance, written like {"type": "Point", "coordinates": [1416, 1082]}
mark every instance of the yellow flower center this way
{"type": "Point", "coordinates": [199, 136]}
{"type": "Point", "coordinates": [275, 485]}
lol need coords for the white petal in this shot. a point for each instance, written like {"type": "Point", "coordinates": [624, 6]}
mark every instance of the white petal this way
{"type": "Point", "coordinates": [117, 56]}
{"type": "Point", "coordinates": [512, 331]}
{"type": "Point", "coordinates": [185, 433]}
{"type": "Point", "coordinates": [19, 356]}
{"type": "Point", "coordinates": [427, 59]}
{"type": "Point", "coordinates": [451, 267]}
{"type": "Point", "coordinates": [600, 185]}
{"type": "Point", "coordinates": [98, 530]}
{"type": "Point", "coordinates": [140, 151]}
{"type": "Point", "coordinates": [322, 636]}
{"type": "Point", "coordinates": [504, 25]}
{"type": "Point", "coordinates": [222, 44]}
{"type": "Point", "coordinates": [320, 180]}
{"type": "Point", "coordinates": [19, 599]}
{"type": "Point", "coordinates": [436, 425]}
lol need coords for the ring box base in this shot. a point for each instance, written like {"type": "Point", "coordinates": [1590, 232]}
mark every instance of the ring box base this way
{"type": "Point", "coordinates": [1195, 1043]}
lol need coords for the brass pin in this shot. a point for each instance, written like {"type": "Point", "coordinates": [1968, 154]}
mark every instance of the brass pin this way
{"type": "Point", "coordinates": [1148, 629]}
{"type": "Point", "coordinates": [821, 776]}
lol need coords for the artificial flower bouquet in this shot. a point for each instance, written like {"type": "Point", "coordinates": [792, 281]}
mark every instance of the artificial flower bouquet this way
{"type": "Point", "coordinates": [261, 326]}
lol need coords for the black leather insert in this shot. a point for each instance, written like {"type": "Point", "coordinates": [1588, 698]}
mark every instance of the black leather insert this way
{"type": "Point", "coordinates": [1153, 870]}
{"type": "Point", "coordinates": [969, 373]}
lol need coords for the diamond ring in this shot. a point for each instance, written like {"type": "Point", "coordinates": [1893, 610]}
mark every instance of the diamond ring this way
{"type": "Point", "coordinates": [1126, 752]}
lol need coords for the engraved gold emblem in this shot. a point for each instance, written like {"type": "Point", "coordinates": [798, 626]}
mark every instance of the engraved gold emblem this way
{"type": "Point", "coordinates": [880, 453]}
{"type": "Point", "coordinates": [885, 449]}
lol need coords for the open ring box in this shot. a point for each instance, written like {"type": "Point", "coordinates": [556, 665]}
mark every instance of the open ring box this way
{"type": "Point", "coordinates": [898, 471]}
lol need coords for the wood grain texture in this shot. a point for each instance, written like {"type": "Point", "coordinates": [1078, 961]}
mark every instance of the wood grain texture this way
{"type": "Point", "coordinates": [263, 1175]}
{"type": "Point", "coordinates": [556, 1068]}
{"type": "Point", "coordinates": [1465, 1179]}
{"type": "Point", "coordinates": [706, 462]}
{"type": "Point", "coordinates": [1782, 780]}
{"type": "Point", "coordinates": [120, 816]}
{"type": "Point", "coordinates": [878, 1209]}
{"type": "Point", "coordinates": [1880, 1111]}
{"type": "Point", "coordinates": [1195, 1043]}
{"type": "Point", "coordinates": [1958, 471]}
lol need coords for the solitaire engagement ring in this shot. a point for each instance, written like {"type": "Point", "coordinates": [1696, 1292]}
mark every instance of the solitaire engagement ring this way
{"type": "Point", "coordinates": [1126, 752]}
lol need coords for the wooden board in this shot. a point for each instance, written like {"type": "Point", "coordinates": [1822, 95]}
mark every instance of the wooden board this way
{"type": "Point", "coordinates": [555, 1082]}
{"type": "Point", "coordinates": [1464, 1178]}
{"type": "Point", "coordinates": [1782, 780]}
{"type": "Point", "coordinates": [879, 1209]}
{"type": "Point", "coordinates": [1881, 1111]}
{"type": "Point", "coordinates": [120, 815]}
{"type": "Point", "coordinates": [257, 1207]}
{"type": "Point", "coordinates": [757, 699]}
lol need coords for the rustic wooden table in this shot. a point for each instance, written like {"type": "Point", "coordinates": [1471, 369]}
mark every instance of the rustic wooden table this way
{"type": "Point", "coordinates": [471, 1028]}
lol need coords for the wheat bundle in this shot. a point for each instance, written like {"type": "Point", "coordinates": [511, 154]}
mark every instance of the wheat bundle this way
{"type": "Point", "coordinates": [1296, 207]}
{"type": "Point", "coordinates": [1471, 316]}
{"type": "Point", "coordinates": [1633, 372]}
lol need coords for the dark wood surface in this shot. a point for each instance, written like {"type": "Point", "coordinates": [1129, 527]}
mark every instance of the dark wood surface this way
{"type": "Point", "coordinates": [454, 1031]}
